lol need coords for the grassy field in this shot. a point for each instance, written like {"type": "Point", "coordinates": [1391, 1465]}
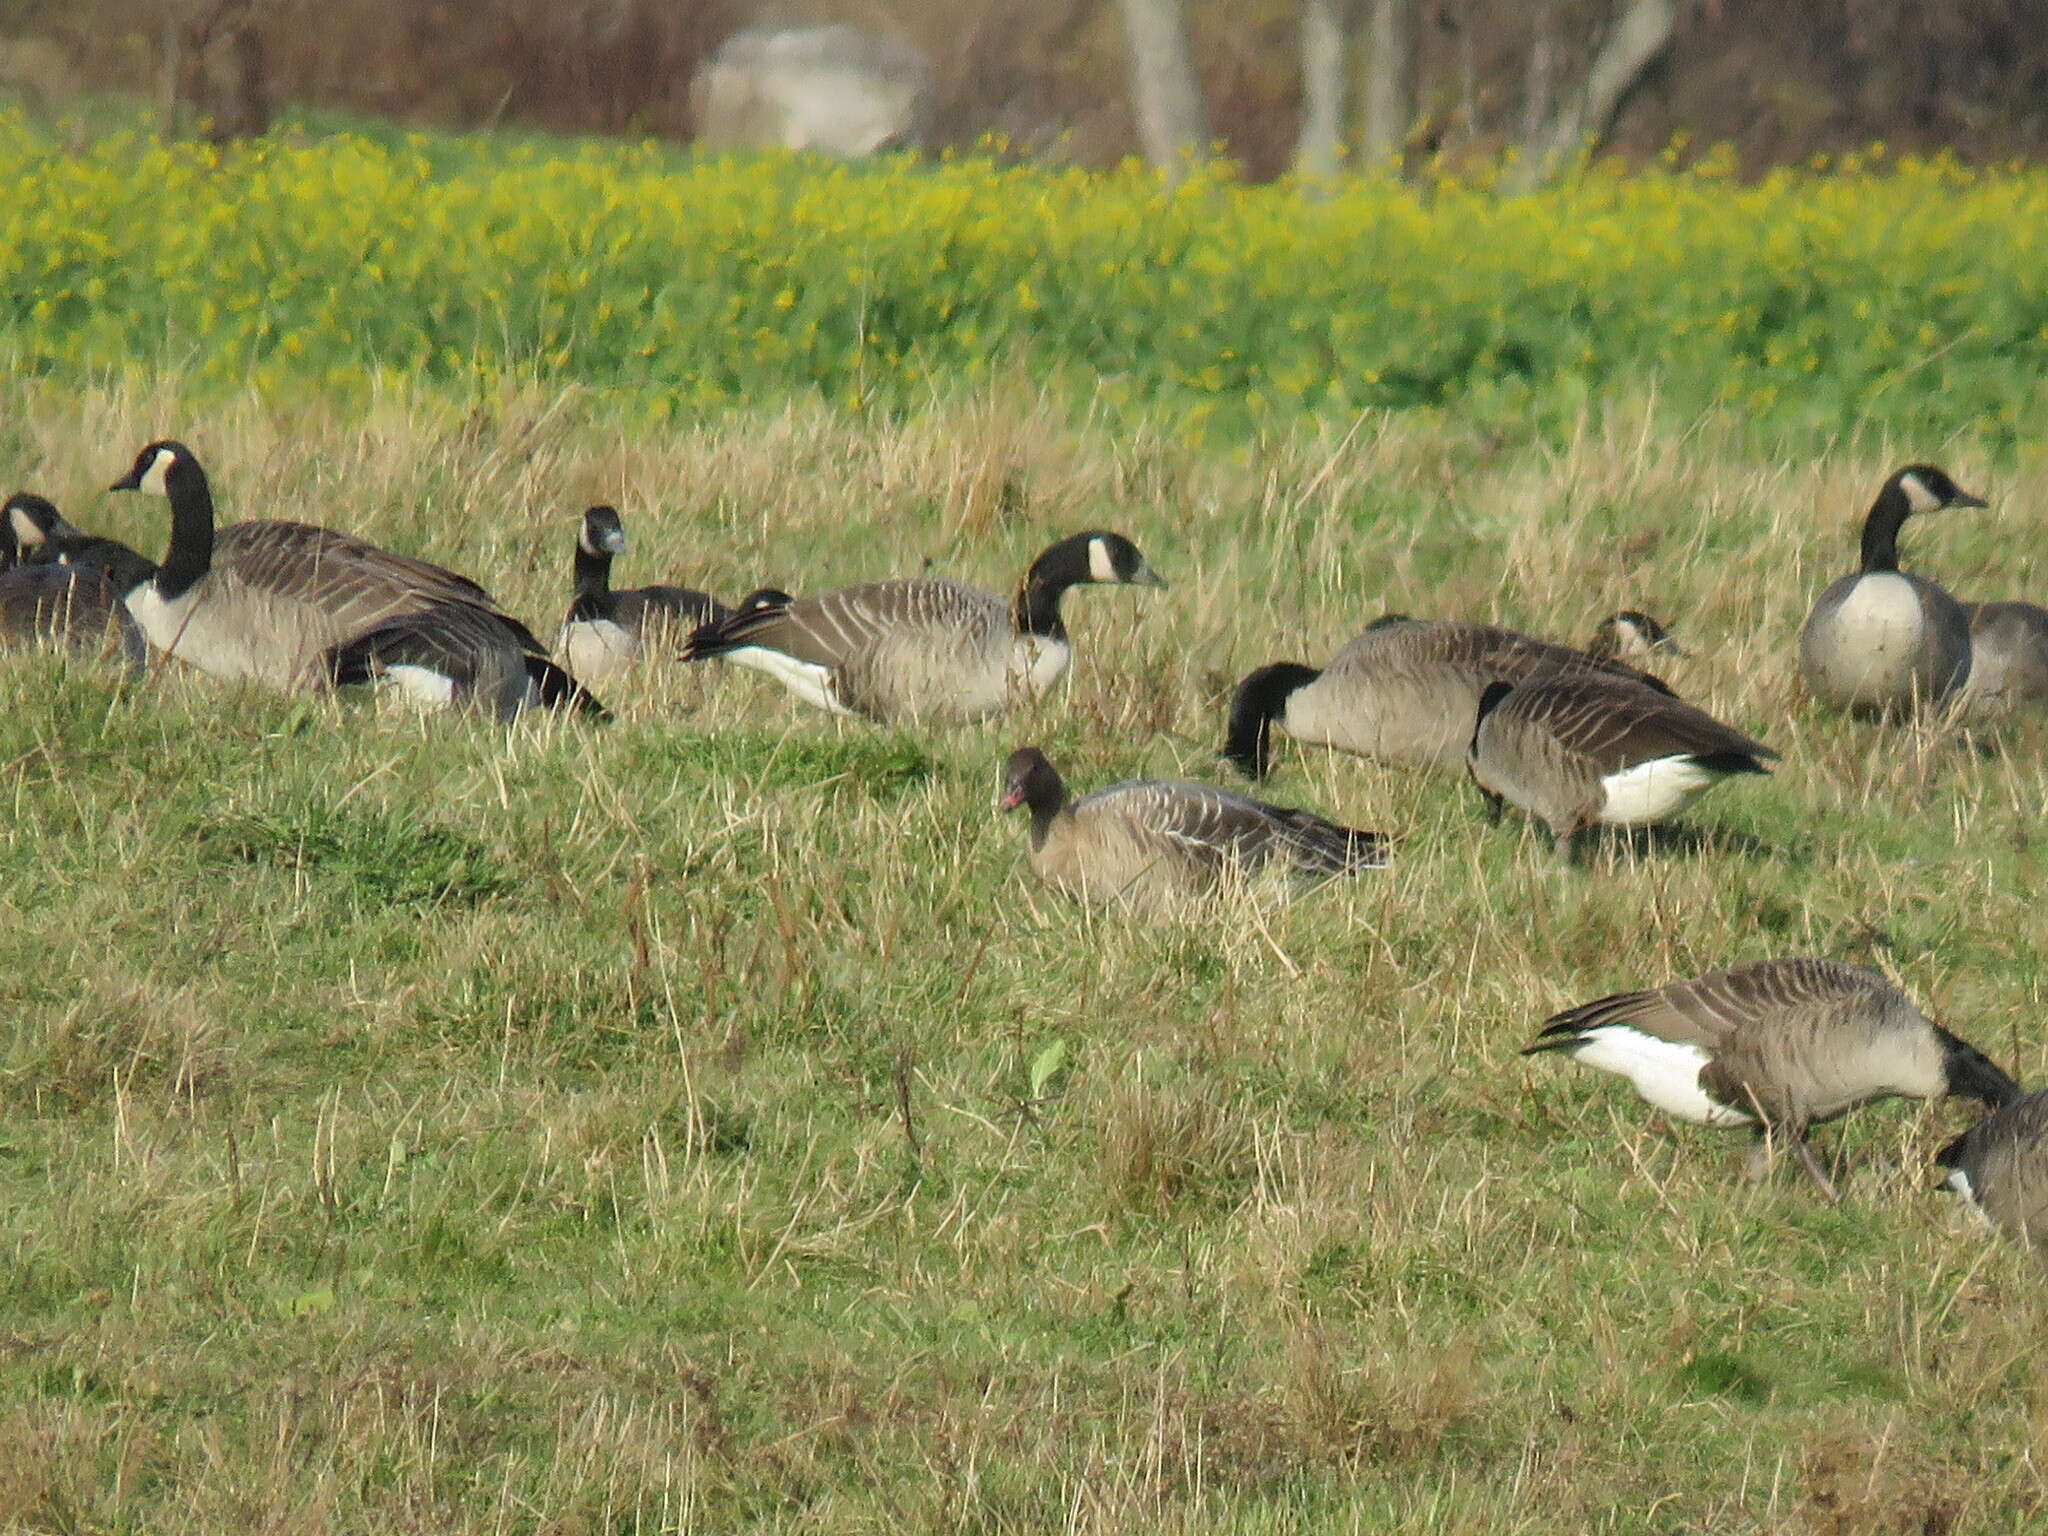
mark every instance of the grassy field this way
{"type": "Point", "coordinates": [702, 1124]}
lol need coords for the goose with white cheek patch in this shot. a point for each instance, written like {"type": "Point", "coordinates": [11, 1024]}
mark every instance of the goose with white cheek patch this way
{"type": "Point", "coordinates": [1155, 845]}
{"type": "Point", "coordinates": [1884, 641]}
{"type": "Point", "coordinates": [2000, 1165]}
{"type": "Point", "coordinates": [45, 535]}
{"type": "Point", "coordinates": [607, 627]}
{"type": "Point", "coordinates": [1584, 751]}
{"type": "Point", "coordinates": [267, 601]}
{"type": "Point", "coordinates": [1403, 691]}
{"type": "Point", "coordinates": [1780, 1046]}
{"type": "Point", "coordinates": [1633, 636]}
{"type": "Point", "coordinates": [927, 648]}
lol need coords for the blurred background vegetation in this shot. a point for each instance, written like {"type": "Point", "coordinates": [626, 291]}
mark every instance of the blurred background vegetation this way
{"type": "Point", "coordinates": [1779, 82]}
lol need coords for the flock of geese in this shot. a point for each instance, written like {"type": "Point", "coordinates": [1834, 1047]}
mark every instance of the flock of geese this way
{"type": "Point", "coordinates": [1574, 738]}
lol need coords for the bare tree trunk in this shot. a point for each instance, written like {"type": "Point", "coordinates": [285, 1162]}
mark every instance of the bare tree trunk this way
{"type": "Point", "coordinates": [1172, 124]}
{"type": "Point", "coordinates": [1586, 116]}
{"type": "Point", "coordinates": [1322, 90]}
{"type": "Point", "coordinates": [1539, 85]}
{"type": "Point", "coordinates": [1389, 82]}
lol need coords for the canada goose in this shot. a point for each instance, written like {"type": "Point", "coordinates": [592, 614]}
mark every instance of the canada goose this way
{"type": "Point", "coordinates": [1403, 691]}
{"type": "Point", "coordinates": [2000, 1165]}
{"type": "Point", "coordinates": [2008, 658]}
{"type": "Point", "coordinates": [1154, 843]}
{"type": "Point", "coordinates": [1632, 635]}
{"type": "Point", "coordinates": [27, 522]}
{"type": "Point", "coordinates": [459, 655]}
{"type": "Point", "coordinates": [1585, 750]}
{"type": "Point", "coordinates": [46, 535]}
{"type": "Point", "coordinates": [268, 600]}
{"type": "Point", "coordinates": [1882, 640]}
{"type": "Point", "coordinates": [75, 606]}
{"type": "Point", "coordinates": [1781, 1045]}
{"type": "Point", "coordinates": [604, 629]}
{"type": "Point", "coordinates": [897, 650]}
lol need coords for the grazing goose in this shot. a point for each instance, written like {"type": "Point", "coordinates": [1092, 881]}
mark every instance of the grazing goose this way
{"type": "Point", "coordinates": [1586, 750]}
{"type": "Point", "coordinates": [268, 600]}
{"type": "Point", "coordinates": [1882, 640]}
{"type": "Point", "coordinates": [1782, 1045]}
{"type": "Point", "coordinates": [604, 630]}
{"type": "Point", "coordinates": [459, 655]}
{"type": "Point", "coordinates": [76, 607]}
{"type": "Point", "coordinates": [902, 650]}
{"type": "Point", "coordinates": [2000, 1165]}
{"type": "Point", "coordinates": [2008, 658]}
{"type": "Point", "coordinates": [1157, 843]}
{"type": "Point", "coordinates": [1632, 635]}
{"type": "Point", "coordinates": [1403, 691]}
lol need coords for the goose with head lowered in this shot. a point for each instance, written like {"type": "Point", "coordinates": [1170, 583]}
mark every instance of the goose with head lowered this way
{"type": "Point", "coordinates": [924, 648]}
{"type": "Point", "coordinates": [1779, 1046]}
{"type": "Point", "coordinates": [457, 655]}
{"type": "Point", "coordinates": [606, 627]}
{"type": "Point", "coordinates": [2008, 659]}
{"type": "Point", "coordinates": [1883, 641]}
{"type": "Point", "coordinates": [2000, 1165]}
{"type": "Point", "coordinates": [1403, 691]}
{"type": "Point", "coordinates": [1588, 750]}
{"type": "Point", "coordinates": [1632, 635]}
{"type": "Point", "coordinates": [1156, 844]}
{"type": "Point", "coordinates": [267, 601]}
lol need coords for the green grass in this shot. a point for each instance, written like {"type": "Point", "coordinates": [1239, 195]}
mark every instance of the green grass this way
{"type": "Point", "coordinates": [702, 1123]}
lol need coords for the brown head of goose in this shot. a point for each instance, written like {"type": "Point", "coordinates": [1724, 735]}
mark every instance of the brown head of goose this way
{"type": "Point", "coordinates": [606, 626]}
{"type": "Point", "coordinates": [1403, 691]}
{"type": "Point", "coordinates": [1780, 1046]}
{"type": "Point", "coordinates": [927, 647]}
{"type": "Point", "coordinates": [269, 600]}
{"type": "Point", "coordinates": [1883, 640]}
{"type": "Point", "coordinates": [2000, 1165]}
{"type": "Point", "coordinates": [1587, 750]}
{"type": "Point", "coordinates": [1153, 844]}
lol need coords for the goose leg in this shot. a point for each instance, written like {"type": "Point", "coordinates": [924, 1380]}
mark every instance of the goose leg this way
{"type": "Point", "coordinates": [1812, 1165]}
{"type": "Point", "coordinates": [1495, 804]}
{"type": "Point", "coordinates": [1566, 842]}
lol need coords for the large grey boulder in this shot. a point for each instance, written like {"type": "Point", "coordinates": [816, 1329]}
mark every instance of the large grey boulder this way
{"type": "Point", "coordinates": [834, 89]}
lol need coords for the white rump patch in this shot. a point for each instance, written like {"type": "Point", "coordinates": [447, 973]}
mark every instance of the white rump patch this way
{"type": "Point", "coordinates": [1647, 793]}
{"type": "Point", "coordinates": [1918, 497]}
{"type": "Point", "coordinates": [153, 477]}
{"type": "Point", "coordinates": [1100, 566]}
{"type": "Point", "coordinates": [1039, 661]}
{"type": "Point", "coordinates": [1667, 1075]}
{"type": "Point", "coordinates": [812, 683]}
{"type": "Point", "coordinates": [421, 685]}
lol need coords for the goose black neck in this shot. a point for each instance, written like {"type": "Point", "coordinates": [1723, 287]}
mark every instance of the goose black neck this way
{"type": "Point", "coordinates": [1062, 566]}
{"type": "Point", "coordinates": [1974, 1075]}
{"type": "Point", "coordinates": [1888, 515]}
{"type": "Point", "coordinates": [1046, 795]}
{"type": "Point", "coordinates": [594, 582]}
{"type": "Point", "coordinates": [1260, 700]}
{"type": "Point", "coordinates": [191, 551]}
{"type": "Point", "coordinates": [1489, 701]}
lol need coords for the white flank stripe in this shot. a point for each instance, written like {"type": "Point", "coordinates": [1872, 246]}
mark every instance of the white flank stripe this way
{"type": "Point", "coordinates": [807, 680]}
{"type": "Point", "coordinates": [1666, 1075]}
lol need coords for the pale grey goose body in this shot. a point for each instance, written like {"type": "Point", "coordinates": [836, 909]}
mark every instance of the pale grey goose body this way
{"type": "Point", "coordinates": [1404, 691]}
{"type": "Point", "coordinates": [2008, 658]}
{"type": "Point", "coordinates": [1157, 844]}
{"type": "Point", "coordinates": [1883, 640]}
{"type": "Point", "coordinates": [1781, 1045]}
{"type": "Point", "coordinates": [269, 601]}
{"type": "Point", "coordinates": [921, 648]}
{"type": "Point", "coordinates": [607, 627]}
{"type": "Point", "coordinates": [2000, 1165]}
{"type": "Point", "coordinates": [1587, 750]}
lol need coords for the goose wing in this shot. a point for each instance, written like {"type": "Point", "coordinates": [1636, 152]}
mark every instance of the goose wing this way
{"type": "Point", "coordinates": [486, 658]}
{"type": "Point", "coordinates": [1207, 822]}
{"type": "Point", "coordinates": [1712, 1010]}
{"type": "Point", "coordinates": [1614, 724]}
{"type": "Point", "coordinates": [1486, 652]}
{"type": "Point", "coordinates": [840, 627]}
{"type": "Point", "coordinates": [682, 607]}
{"type": "Point", "coordinates": [75, 605]}
{"type": "Point", "coordinates": [353, 582]}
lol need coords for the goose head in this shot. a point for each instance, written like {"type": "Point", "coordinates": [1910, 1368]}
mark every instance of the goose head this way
{"type": "Point", "coordinates": [1631, 635]}
{"type": "Point", "coordinates": [1928, 488]}
{"type": "Point", "coordinates": [1029, 778]}
{"type": "Point", "coordinates": [602, 534]}
{"type": "Point", "coordinates": [160, 468]}
{"type": "Point", "coordinates": [29, 521]}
